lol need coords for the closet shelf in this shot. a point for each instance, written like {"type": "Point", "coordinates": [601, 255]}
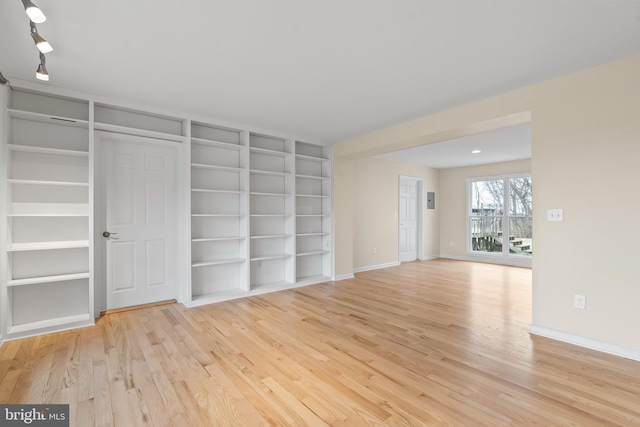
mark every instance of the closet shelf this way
{"type": "Point", "coordinates": [49, 323]}
{"type": "Point", "coordinates": [219, 144]}
{"type": "Point", "coordinates": [45, 150]}
{"type": "Point", "coordinates": [217, 168]}
{"type": "Point", "coordinates": [40, 246]}
{"type": "Point", "coordinates": [312, 253]}
{"type": "Point", "coordinates": [217, 262]}
{"type": "Point", "coordinates": [311, 234]}
{"type": "Point", "coordinates": [48, 279]}
{"type": "Point", "coordinates": [206, 190]}
{"type": "Point", "coordinates": [270, 194]}
{"type": "Point", "coordinates": [270, 236]}
{"type": "Point", "coordinates": [311, 158]}
{"type": "Point", "coordinates": [319, 178]}
{"type": "Point", "coordinates": [320, 196]}
{"type": "Point", "coordinates": [313, 215]}
{"type": "Point", "coordinates": [267, 257]}
{"type": "Point", "coordinates": [56, 183]}
{"type": "Point", "coordinates": [216, 239]}
{"type": "Point", "coordinates": [47, 118]}
{"type": "Point", "coordinates": [269, 152]}
{"type": "Point", "coordinates": [269, 173]}
{"type": "Point", "coordinates": [270, 216]}
{"type": "Point", "coordinates": [218, 215]}
{"type": "Point", "coordinates": [139, 132]}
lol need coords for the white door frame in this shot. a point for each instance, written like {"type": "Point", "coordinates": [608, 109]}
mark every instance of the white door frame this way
{"type": "Point", "coordinates": [420, 213]}
{"type": "Point", "coordinates": [100, 266]}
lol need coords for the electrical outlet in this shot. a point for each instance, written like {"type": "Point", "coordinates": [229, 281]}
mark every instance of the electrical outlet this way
{"type": "Point", "coordinates": [450, 243]}
{"type": "Point", "coordinates": [580, 301]}
{"type": "Point", "coordinates": [375, 250]}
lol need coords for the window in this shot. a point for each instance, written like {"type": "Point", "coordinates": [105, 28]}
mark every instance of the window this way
{"type": "Point", "coordinates": [499, 215]}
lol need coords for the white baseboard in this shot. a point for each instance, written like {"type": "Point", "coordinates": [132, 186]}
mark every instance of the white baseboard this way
{"type": "Point", "coordinates": [578, 340]}
{"type": "Point", "coordinates": [342, 277]}
{"type": "Point", "coordinates": [526, 263]}
{"type": "Point", "coordinates": [430, 257]}
{"type": "Point", "coordinates": [376, 267]}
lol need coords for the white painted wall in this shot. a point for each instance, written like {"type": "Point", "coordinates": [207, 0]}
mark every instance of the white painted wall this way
{"type": "Point", "coordinates": [585, 156]}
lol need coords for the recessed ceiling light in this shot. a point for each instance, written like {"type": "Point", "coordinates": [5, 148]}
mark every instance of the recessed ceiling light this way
{"type": "Point", "coordinates": [476, 152]}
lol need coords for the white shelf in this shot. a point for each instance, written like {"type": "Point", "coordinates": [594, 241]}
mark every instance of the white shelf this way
{"type": "Point", "coordinates": [48, 209]}
{"type": "Point", "coordinates": [44, 150]}
{"type": "Point", "coordinates": [47, 279]}
{"type": "Point", "coordinates": [47, 118]}
{"type": "Point", "coordinates": [217, 239]}
{"type": "Point", "coordinates": [313, 215]}
{"type": "Point", "coordinates": [219, 215]}
{"type": "Point", "coordinates": [270, 215]}
{"type": "Point", "coordinates": [269, 173]}
{"type": "Point", "coordinates": [206, 190]}
{"type": "Point", "coordinates": [219, 144]}
{"type": "Point", "coordinates": [139, 132]}
{"type": "Point", "coordinates": [270, 194]}
{"type": "Point", "coordinates": [56, 183]}
{"type": "Point", "coordinates": [312, 280]}
{"type": "Point", "coordinates": [273, 256]}
{"type": "Point", "coordinates": [312, 253]}
{"type": "Point", "coordinates": [311, 234]}
{"type": "Point", "coordinates": [217, 262]}
{"type": "Point", "coordinates": [320, 196]}
{"type": "Point", "coordinates": [217, 168]}
{"type": "Point", "coordinates": [40, 246]}
{"type": "Point", "coordinates": [319, 178]}
{"type": "Point", "coordinates": [50, 323]}
{"type": "Point", "coordinates": [311, 158]}
{"type": "Point", "coordinates": [269, 152]}
{"type": "Point", "coordinates": [270, 236]}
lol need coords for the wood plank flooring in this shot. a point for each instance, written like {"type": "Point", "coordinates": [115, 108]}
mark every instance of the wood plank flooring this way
{"type": "Point", "coordinates": [426, 343]}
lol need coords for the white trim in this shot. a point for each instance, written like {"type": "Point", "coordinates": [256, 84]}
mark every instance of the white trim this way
{"type": "Point", "coordinates": [430, 257]}
{"type": "Point", "coordinates": [514, 262]}
{"type": "Point", "coordinates": [343, 277]}
{"type": "Point", "coordinates": [589, 343]}
{"type": "Point", "coordinates": [376, 267]}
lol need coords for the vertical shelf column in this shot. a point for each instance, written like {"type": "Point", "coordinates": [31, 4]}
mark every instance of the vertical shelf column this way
{"type": "Point", "coordinates": [219, 187]}
{"type": "Point", "coordinates": [313, 213]}
{"type": "Point", "coordinates": [47, 218]}
{"type": "Point", "coordinates": [272, 205]}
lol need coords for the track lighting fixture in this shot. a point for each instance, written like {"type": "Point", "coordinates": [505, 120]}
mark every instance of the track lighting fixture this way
{"type": "Point", "coordinates": [41, 72]}
{"type": "Point", "coordinates": [3, 80]}
{"type": "Point", "coordinates": [42, 45]}
{"type": "Point", "coordinates": [33, 12]}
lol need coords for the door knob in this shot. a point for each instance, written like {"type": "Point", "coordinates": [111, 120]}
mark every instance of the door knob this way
{"type": "Point", "coordinates": [108, 234]}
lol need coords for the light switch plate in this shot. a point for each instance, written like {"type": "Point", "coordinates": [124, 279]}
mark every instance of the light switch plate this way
{"type": "Point", "coordinates": [555, 215]}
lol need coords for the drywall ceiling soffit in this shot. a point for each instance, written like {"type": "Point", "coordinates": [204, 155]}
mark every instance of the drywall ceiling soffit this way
{"type": "Point", "coordinates": [323, 70]}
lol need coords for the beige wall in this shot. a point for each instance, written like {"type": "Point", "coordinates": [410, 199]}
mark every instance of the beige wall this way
{"type": "Point", "coordinates": [453, 201]}
{"type": "Point", "coordinates": [585, 157]}
{"type": "Point", "coordinates": [375, 207]}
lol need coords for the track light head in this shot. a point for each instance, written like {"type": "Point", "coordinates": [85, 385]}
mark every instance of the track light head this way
{"type": "Point", "coordinates": [33, 12]}
{"type": "Point", "coordinates": [41, 72]}
{"type": "Point", "coordinates": [43, 45]}
{"type": "Point", "coordinates": [3, 80]}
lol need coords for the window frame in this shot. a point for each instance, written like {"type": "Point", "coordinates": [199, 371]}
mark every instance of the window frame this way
{"type": "Point", "coordinates": [505, 217]}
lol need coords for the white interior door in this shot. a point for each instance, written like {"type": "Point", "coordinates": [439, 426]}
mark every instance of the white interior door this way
{"type": "Point", "coordinates": [140, 227]}
{"type": "Point", "coordinates": [408, 217]}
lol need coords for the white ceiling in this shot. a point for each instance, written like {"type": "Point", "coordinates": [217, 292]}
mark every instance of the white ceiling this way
{"type": "Point", "coordinates": [320, 71]}
{"type": "Point", "coordinates": [499, 145]}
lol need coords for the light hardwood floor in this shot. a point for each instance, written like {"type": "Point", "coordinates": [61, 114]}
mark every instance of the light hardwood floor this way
{"type": "Point", "coordinates": [427, 343]}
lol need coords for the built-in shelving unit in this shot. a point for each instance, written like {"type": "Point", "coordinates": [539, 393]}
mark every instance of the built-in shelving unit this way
{"type": "Point", "coordinates": [219, 188]}
{"type": "Point", "coordinates": [255, 208]}
{"type": "Point", "coordinates": [313, 209]}
{"type": "Point", "coordinates": [49, 200]}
